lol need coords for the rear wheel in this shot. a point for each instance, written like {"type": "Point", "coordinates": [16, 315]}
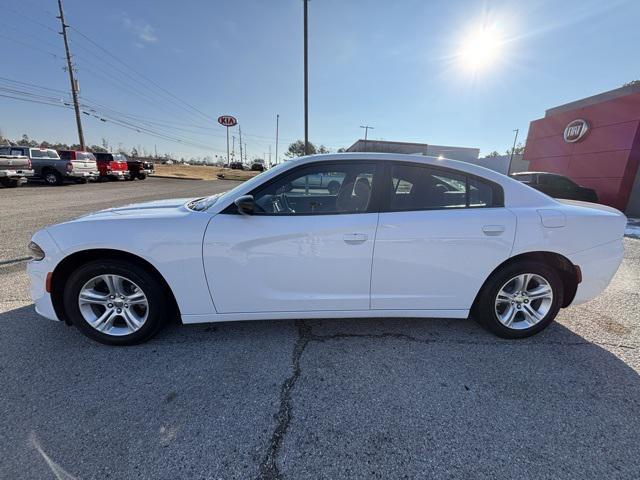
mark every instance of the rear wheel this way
{"type": "Point", "coordinates": [115, 302]}
{"type": "Point", "coordinates": [51, 177]}
{"type": "Point", "coordinates": [520, 300]}
{"type": "Point", "coordinates": [142, 176]}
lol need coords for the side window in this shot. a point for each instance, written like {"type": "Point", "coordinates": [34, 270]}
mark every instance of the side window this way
{"type": "Point", "coordinates": [318, 189]}
{"type": "Point", "coordinates": [422, 188]}
{"type": "Point", "coordinates": [480, 193]}
{"type": "Point", "coordinates": [562, 182]}
{"type": "Point", "coordinates": [418, 187]}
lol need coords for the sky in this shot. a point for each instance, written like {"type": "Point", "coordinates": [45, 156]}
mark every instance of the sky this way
{"type": "Point", "coordinates": [462, 73]}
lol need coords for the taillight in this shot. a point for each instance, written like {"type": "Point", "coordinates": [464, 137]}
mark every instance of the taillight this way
{"type": "Point", "coordinates": [69, 166]}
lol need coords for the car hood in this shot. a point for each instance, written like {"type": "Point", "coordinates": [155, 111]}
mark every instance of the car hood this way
{"type": "Point", "coordinates": [156, 208]}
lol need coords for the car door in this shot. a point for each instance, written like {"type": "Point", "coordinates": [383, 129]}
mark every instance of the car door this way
{"type": "Point", "coordinates": [440, 234]}
{"type": "Point", "coordinates": [305, 248]}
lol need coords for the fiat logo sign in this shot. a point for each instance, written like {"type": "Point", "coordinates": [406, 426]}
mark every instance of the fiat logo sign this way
{"type": "Point", "coordinates": [227, 121]}
{"type": "Point", "coordinates": [575, 131]}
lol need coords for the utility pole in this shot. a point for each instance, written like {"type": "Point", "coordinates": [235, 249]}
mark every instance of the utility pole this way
{"type": "Point", "coordinates": [155, 147]}
{"type": "Point", "coordinates": [269, 156]}
{"type": "Point", "coordinates": [306, 82]}
{"type": "Point", "coordinates": [233, 149]}
{"type": "Point", "coordinates": [366, 131]}
{"type": "Point", "coordinates": [513, 150]}
{"type": "Point", "coordinates": [240, 133]}
{"type": "Point", "coordinates": [277, 125]}
{"type": "Point", "coordinates": [74, 85]}
{"type": "Point", "coordinates": [245, 151]}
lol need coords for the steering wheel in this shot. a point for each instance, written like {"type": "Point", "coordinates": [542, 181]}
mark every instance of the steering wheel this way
{"type": "Point", "coordinates": [280, 204]}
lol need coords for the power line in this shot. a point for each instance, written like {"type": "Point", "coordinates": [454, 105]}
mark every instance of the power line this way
{"type": "Point", "coordinates": [207, 117]}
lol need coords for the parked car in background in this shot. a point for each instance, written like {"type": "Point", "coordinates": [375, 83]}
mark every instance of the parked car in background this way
{"type": "Point", "coordinates": [556, 186]}
{"type": "Point", "coordinates": [112, 166]}
{"type": "Point", "coordinates": [237, 166]}
{"type": "Point", "coordinates": [403, 236]}
{"type": "Point", "coordinates": [14, 167]}
{"type": "Point", "coordinates": [84, 165]}
{"type": "Point", "coordinates": [48, 166]}
{"type": "Point", "coordinates": [258, 166]}
{"type": "Point", "coordinates": [138, 168]}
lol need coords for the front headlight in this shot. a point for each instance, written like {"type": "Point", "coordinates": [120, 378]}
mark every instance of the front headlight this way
{"type": "Point", "coordinates": [35, 251]}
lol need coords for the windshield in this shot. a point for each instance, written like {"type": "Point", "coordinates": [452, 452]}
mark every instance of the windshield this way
{"type": "Point", "coordinates": [206, 202]}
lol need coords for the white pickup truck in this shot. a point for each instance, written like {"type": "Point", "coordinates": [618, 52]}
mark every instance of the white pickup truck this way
{"type": "Point", "coordinates": [14, 169]}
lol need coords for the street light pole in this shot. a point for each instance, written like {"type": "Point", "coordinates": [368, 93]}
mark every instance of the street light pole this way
{"type": "Point", "coordinates": [306, 83]}
{"type": "Point", "coordinates": [277, 125]}
{"type": "Point", "coordinates": [515, 139]}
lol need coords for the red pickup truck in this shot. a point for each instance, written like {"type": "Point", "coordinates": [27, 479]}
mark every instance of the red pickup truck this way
{"type": "Point", "coordinates": [112, 166]}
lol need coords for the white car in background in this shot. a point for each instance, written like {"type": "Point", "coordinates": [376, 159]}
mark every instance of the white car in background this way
{"type": "Point", "coordinates": [402, 236]}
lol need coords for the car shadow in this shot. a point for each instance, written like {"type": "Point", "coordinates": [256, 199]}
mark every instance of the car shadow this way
{"type": "Point", "coordinates": [431, 395]}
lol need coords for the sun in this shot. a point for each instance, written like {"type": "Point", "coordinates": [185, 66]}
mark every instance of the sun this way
{"type": "Point", "coordinates": [481, 48]}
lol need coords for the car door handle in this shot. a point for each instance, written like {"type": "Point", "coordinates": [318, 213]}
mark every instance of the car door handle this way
{"type": "Point", "coordinates": [493, 230]}
{"type": "Point", "coordinates": [354, 238]}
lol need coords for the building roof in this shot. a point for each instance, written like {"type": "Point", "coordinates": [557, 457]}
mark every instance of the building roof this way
{"type": "Point", "coordinates": [600, 97]}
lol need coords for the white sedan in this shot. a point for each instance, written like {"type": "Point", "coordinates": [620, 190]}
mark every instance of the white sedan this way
{"type": "Point", "coordinates": [331, 236]}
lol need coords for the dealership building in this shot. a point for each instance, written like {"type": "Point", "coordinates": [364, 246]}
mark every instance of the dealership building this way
{"type": "Point", "coordinates": [466, 154]}
{"type": "Point", "coordinates": [596, 143]}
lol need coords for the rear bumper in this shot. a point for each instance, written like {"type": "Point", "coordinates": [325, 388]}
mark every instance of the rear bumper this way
{"type": "Point", "coordinates": [118, 174]}
{"type": "Point", "coordinates": [87, 175]}
{"type": "Point", "coordinates": [598, 266]}
{"type": "Point", "coordinates": [15, 173]}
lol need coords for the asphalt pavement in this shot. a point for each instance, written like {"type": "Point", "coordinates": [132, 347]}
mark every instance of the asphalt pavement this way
{"type": "Point", "coordinates": [366, 398]}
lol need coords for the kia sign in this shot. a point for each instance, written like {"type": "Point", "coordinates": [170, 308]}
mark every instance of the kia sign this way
{"type": "Point", "coordinates": [227, 121]}
{"type": "Point", "coordinates": [576, 130]}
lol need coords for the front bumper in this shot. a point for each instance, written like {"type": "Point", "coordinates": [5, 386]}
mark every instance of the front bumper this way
{"type": "Point", "coordinates": [598, 265]}
{"type": "Point", "coordinates": [38, 270]}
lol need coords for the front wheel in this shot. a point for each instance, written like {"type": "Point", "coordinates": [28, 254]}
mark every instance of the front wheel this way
{"type": "Point", "coordinates": [520, 300]}
{"type": "Point", "coordinates": [142, 176]}
{"type": "Point", "coordinates": [115, 302]}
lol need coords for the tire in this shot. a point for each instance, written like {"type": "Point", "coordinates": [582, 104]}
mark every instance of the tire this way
{"type": "Point", "coordinates": [51, 177]}
{"type": "Point", "coordinates": [149, 313]}
{"type": "Point", "coordinates": [82, 181]}
{"type": "Point", "coordinates": [142, 176]}
{"type": "Point", "coordinates": [11, 182]}
{"type": "Point", "coordinates": [515, 308]}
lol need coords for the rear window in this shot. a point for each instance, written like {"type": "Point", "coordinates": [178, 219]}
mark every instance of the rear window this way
{"type": "Point", "coordinates": [524, 178]}
{"type": "Point", "coordinates": [44, 153]}
{"type": "Point", "coordinates": [84, 156]}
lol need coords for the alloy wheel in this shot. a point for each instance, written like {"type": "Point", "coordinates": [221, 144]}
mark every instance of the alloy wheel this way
{"type": "Point", "coordinates": [113, 305]}
{"type": "Point", "coordinates": [523, 301]}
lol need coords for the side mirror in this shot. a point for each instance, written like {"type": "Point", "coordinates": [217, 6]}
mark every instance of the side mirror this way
{"type": "Point", "coordinates": [245, 204]}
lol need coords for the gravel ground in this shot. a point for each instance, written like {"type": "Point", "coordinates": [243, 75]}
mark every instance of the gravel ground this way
{"type": "Point", "coordinates": [368, 398]}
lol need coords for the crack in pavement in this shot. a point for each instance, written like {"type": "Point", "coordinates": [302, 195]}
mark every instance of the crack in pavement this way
{"type": "Point", "coordinates": [268, 469]}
